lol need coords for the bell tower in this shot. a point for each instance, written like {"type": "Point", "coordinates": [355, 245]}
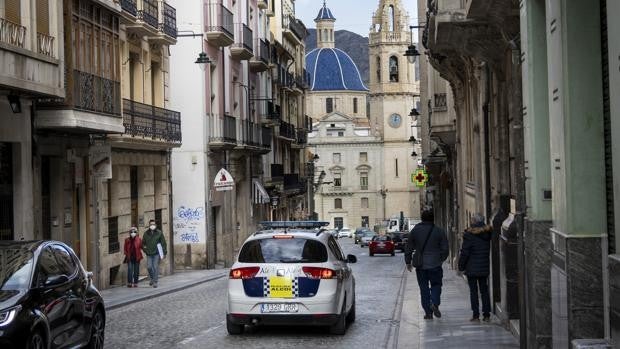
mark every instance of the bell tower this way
{"type": "Point", "coordinates": [393, 86]}
{"type": "Point", "coordinates": [325, 27]}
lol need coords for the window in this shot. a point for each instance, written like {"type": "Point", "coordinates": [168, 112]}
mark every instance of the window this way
{"type": "Point", "coordinates": [391, 18]}
{"type": "Point", "coordinates": [336, 158]}
{"type": "Point", "coordinates": [133, 184]}
{"type": "Point", "coordinates": [335, 248]}
{"type": "Point", "coordinates": [66, 263]}
{"type": "Point", "coordinates": [338, 203]}
{"type": "Point", "coordinates": [340, 133]}
{"type": "Point", "coordinates": [364, 181]}
{"type": "Point", "coordinates": [378, 69]}
{"type": "Point", "coordinates": [43, 17]}
{"type": "Point", "coordinates": [113, 244]}
{"type": "Point", "coordinates": [338, 222]}
{"type": "Point", "coordinates": [283, 251]}
{"type": "Point", "coordinates": [396, 167]}
{"type": "Point", "coordinates": [354, 105]}
{"type": "Point", "coordinates": [364, 203]}
{"type": "Point", "coordinates": [12, 11]}
{"type": "Point", "coordinates": [47, 266]}
{"type": "Point", "coordinates": [329, 105]}
{"type": "Point", "coordinates": [393, 69]}
{"type": "Point", "coordinates": [365, 221]}
{"type": "Point", "coordinates": [363, 157]}
{"type": "Point", "coordinates": [337, 182]}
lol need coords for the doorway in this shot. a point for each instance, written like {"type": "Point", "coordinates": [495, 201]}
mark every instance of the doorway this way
{"type": "Point", "coordinates": [6, 192]}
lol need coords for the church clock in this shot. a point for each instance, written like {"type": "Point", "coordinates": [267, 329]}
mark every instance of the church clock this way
{"type": "Point", "coordinates": [395, 120]}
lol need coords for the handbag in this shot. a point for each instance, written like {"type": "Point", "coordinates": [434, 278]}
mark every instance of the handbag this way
{"type": "Point", "coordinates": [417, 257]}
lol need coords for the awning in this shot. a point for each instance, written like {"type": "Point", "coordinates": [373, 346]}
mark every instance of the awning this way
{"type": "Point", "coordinates": [259, 194]}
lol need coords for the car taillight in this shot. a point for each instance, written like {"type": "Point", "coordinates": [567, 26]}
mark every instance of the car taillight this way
{"type": "Point", "coordinates": [318, 273]}
{"type": "Point", "coordinates": [243, 273]}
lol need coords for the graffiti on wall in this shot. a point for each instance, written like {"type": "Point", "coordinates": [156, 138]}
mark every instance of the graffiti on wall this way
{"type": "Point", "coordinates": [189, 224]}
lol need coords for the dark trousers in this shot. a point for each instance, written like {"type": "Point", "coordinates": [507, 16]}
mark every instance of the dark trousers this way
{"type": "Point", "coordinates": [430, 282]}
{"type": "Point", "coordinates": [479, 283]}
{"type": "Point", "coordinates": [133, 271]}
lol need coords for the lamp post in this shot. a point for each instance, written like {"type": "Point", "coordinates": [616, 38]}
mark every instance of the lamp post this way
{"type": "Point", "coordinates": [412, 52]}
{"type": "Point", "coordinates": [383, 192]}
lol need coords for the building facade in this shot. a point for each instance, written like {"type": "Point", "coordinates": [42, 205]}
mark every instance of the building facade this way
{"type": "Point", "coordinates": [532, 148]}
{"type": "Point", "coordinates": [248, 118]}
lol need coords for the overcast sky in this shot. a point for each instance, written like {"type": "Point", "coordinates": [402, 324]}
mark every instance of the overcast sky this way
{"type": "Point", "coordinates": [351, 15]}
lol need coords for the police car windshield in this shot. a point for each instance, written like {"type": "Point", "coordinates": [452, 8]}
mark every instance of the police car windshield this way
{"type": "Point", "coordinates": [294, 250]}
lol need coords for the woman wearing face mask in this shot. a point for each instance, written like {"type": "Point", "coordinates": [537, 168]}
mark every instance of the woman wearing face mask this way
{"type": "Point", "coordinates": [133, 255]}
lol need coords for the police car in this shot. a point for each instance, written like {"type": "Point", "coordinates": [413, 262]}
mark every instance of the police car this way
{"type": "Point", "coordinates": [291, 273]}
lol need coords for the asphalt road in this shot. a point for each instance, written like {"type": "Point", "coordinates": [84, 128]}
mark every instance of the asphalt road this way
{"type": "Point", "coordinates": [194, 317]}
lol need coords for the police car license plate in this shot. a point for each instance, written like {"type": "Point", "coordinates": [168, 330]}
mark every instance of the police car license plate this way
{"type": "Point", "coordinates": [279, 308]}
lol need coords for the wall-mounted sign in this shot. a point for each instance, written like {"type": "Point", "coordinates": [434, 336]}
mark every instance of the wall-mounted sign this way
{"type": "Point", "coordinates": [419, 177]}
{"type": "Point", "coordinates": [223, 181]}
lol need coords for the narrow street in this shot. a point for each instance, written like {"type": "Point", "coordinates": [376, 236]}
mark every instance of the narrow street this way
{"type": "Point", "coordinates": [194, 318]}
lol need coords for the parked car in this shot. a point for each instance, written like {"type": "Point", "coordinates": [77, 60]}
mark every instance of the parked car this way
{"type": "Point", "coordinates": [357, 235]}
{"type": "Point", "coordinates": [400, 240]}
{"type": "Point", "coordinates": [47, 299]}
{"type": "Point", "coordinates": [333, 232]}
{"type": "Point", "coordinates": [367, 238]}
{"type": "Point", "coordinates": [288, 275]}
{"type": "Point", "coordinates": [345, 233]}
{"type": "Point", "coordinates": [381, 244]}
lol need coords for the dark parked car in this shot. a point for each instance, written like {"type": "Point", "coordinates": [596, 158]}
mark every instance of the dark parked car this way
{"type": "Point", "coordinates": [400, 240]}
{"type": "Point", "coordinates": [47, 299]}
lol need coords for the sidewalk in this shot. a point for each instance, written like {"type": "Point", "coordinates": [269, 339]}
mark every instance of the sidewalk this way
{"type": "Point", "coordinates": [122, 295]}
{"type": "Point", "coordinates": [453, 329]}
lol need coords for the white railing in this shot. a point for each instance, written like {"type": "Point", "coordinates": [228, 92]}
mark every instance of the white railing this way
{"type": "Point", "coordinates": [12, 34]}
{"type": "Point", "coordinates": [45, 44]}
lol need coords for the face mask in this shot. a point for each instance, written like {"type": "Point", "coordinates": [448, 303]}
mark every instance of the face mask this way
{"type": "Point", "coordinates": [132, 234]}
{"type": "Point", "coordinates": [152, 227]}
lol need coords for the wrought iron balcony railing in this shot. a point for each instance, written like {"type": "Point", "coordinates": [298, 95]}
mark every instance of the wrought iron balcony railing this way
{"type": "Point", "coordinates": [302, 137]}
{"type": "Point", "coordinates": [130, 6]}
{"type": "Point", "coordinates": [272, 112]}
{"type": "Point", "coordinates": [169, 17]}
{"type": "Point", "coordinates": [151, 122]}
{"type": "Point", "coordinates": [295, 26]}
{"type": "Point", "coordinates": [267, 135]}
{"type": "Point", "coordinates": [45, 44]}
{"type": "Point", "coordinates": [12, 34]}
{"type": "Point", "coordinates": [220, 19]}
{"type": "Point", "coordinates": [287, 130]}
{"type": "Point", "coordinates": [223, 129]}
{"type": "Point", "coordinates": [292, 182]}
{"type": "Point", "coordinates": [243, 37]}
{"type": "Point", "coordinates": [97, 94]}
{"type": "Point", "coordinates": [263, 51]}
{"type": "Point", "coordinates": [148, 13]}
{"type": "Point", "coordinates": [277, 171]}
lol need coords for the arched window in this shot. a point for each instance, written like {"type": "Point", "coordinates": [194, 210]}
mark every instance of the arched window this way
{"type": "Point", "coordinates": [337, 203]}
{"type": "Point", "coordinates": [378, 69]}
{"type": "Point", "coordinates": [391, 18]}
{"type": "Point", "coordinates": [331, 32]}
{"type": "Point", "coordinates": [393, 69]}
{"type": "Point", "coordinates": [329, 105]}
{"type": "Point", "coordinates": [354, 105]}
{"type": "Point", "coordinates": [325, 36]}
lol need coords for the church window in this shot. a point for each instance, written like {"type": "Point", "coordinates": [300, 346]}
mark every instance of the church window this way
{"type": "Point", "coordinates": [391, 18]}
{"type": "Point", "coordinates": [329, 105]}
{"type": "Point", "coordinates": [338, 203]}
{"type": "Point", "coordinates": [396, 167]}
{"type": "Point", "coordinates": [393, 69]}
{"type": "Point", "coordinates": [378, 69]}
{"type": "Point", "coordinates": [355, 105]}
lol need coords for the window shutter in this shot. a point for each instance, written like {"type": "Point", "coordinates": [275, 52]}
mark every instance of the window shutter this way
{"type": "Point", "coordinates": [43, 17]}
{"type": "Point", "coordinates": [12, 11]}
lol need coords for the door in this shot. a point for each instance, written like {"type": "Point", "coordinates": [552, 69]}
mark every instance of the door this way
{"type": "Point", "coordinates": [6, 192]}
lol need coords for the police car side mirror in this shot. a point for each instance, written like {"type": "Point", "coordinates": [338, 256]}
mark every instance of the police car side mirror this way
{"type": "Point", "coordinates": [351, 258]}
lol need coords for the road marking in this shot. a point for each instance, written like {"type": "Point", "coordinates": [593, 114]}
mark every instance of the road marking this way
{"type": "Point", "coordinates": [207, 331]}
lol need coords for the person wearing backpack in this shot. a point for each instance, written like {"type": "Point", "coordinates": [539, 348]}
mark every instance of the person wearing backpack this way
{"type": "Point", "coordinates": [474, 263]}
{"type": "Point", "coordinates": [427, 249]}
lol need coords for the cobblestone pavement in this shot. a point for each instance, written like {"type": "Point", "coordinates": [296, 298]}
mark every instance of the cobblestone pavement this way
{"type": "Point", "coordinates": [194, 317]}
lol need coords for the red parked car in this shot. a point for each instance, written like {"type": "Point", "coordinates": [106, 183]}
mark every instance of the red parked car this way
{"type": "Point", "coordinates": [381, 244]}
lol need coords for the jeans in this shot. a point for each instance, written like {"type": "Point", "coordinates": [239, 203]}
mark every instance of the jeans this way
{"type": "Point", "coordinates": [133, 271]}
{"type": "Point", "coordinates": [152, 265]}
{"type": "Point", "coordinates": [430, 282]}
{"type": "Point", "coordinates": [476, 283]}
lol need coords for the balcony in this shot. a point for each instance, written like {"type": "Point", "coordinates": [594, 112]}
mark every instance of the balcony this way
{"type": "Point", "coordinates": [219, 27]}
{"type": "Point", "coordinates": [397, 38]}
{"type": "Point", "coordinates": [292, 184]}
{"type": "Point", "coordinates": [167, 30]}
{"type": "Point", "coordinates": [277, 173]}
{"type": "Point", "coordinates": [261, 59]}
{"type": "Point", "coordinates": [222, 132]}
{"type": "Point", "coordinates": [150, 124]}
{"type": "Point", "coordinates": [287, 131]}
{"type": "Point", "coordinates": [45, 44]}
{"type": "Point", "coordinates": [270, 115]}
{"type": "Point", "coordinates": [242, 49]}
{"type": "Point", "coordinates": [12, 34]}
{"type": "Point", "coordinates": [130, 11]}
{"type": "Point", "coordinates": [263, 4]}
{"type": "Point", "coordinates": [301, 139]}
{"type": "Point", "coordinates": [93, 105]}
{"type": "Point", "coordinates": [254, 137]}
{"type": "Point", "coordinates": [293, 29]}
{"type": "Point", "coordinates": [146, 20]}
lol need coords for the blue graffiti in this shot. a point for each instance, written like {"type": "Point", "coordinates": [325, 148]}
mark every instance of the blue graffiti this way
{"type": "Point", "coordinates": [190, 214]}
{"type": "Point", "coordinates": [190, 237]}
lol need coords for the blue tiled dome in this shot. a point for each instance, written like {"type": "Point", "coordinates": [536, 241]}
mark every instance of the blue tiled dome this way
{"type": "Point", "coordinates": [331, 69]}
{"type": "Point", "coordinates": [324, 13]}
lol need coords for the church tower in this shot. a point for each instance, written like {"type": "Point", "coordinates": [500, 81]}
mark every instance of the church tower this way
{"type": "Point", "coordinates": [325, 28]}
{"type": "Point", "coordinates": [393, 86]}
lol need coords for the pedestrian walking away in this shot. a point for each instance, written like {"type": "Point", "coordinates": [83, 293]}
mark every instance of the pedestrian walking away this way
{"type": "Point", "coordinates": [154, 246]}
{"type": "Point", "coordinates": [431, 241]}
{"type": "Point", "coordinates": [474, 263]}
{"type": "Point", "coordinates": [133, 256]}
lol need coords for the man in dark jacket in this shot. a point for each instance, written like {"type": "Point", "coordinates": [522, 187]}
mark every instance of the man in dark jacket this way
{"type": "Point", "coordinates": [150, 241]}
{"type": "Point", "coordinates": [430, 274]}
{"type": "Point", "coordinates": [474, 262]}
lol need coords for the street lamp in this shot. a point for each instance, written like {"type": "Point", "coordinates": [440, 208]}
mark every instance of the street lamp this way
{"type": "Point", "coordinates": [412, 52]}
{"type": "Point", "coordinates": [203, 60]}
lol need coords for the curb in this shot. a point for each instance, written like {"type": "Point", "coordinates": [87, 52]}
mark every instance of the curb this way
{"type": "Point", "coordinates": [162, 293]}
